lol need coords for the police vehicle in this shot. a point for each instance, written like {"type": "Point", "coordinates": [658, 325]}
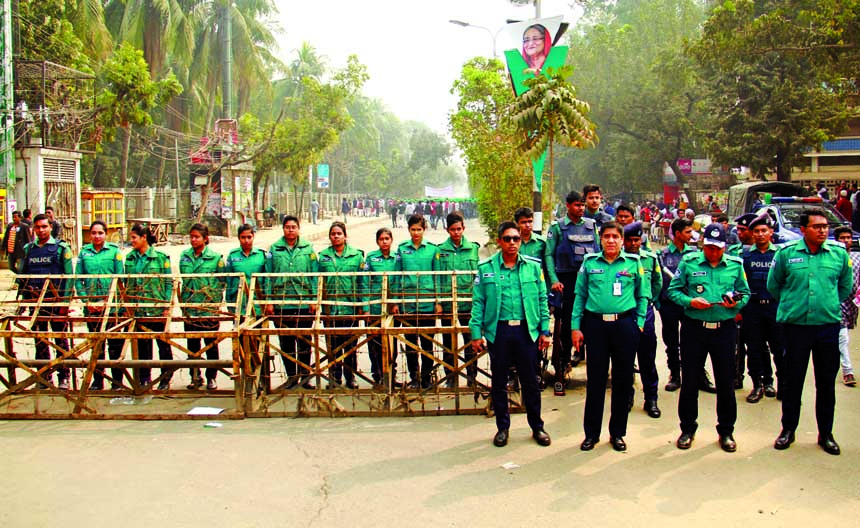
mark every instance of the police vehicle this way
{"type": "Point", "coordinates": [786, 213]}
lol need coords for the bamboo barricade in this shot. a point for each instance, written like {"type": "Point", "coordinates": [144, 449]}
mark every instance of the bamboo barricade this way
{"type": "Point", "coordinates": [251, 363]}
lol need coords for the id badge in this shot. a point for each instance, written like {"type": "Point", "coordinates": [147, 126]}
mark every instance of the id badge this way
{"type": "Point", "coordinates": [616, 289]}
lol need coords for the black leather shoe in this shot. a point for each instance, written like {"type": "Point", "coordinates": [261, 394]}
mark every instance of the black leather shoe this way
{"type": "Point", "coordinates": [728, 444]}
{"type": "Point", "coordinates": [541, 437]}
{"type": "Point", "coordinates": [685, 441]}
{"type": "Point", "coordinates": [706, 385]}
{"type": "Point", "coordinates": [618, 443]}
{"type": "Point", "coordinates": [674, 383]}
{"type": "Point", "coordinates": [576, 359]}
{"type": "Point", "coordinates": [351, 384]}
{"type": "Point", "coordinates": [588, 444]}
{"type": "Point", "coordinates": [501, 438]}
{"type": "Point", "coordinates": [829, 445]}
{"type": "Point", "coordinates": [784, 440]}
{"type": "Point", "coordinates": [308, 386]}
{"type": "Point", "coordinates": [769, 391]}
{"type": "Point", "coordinates": [755, 395]}
{"type": "Point", "coordinates": [652, 409]}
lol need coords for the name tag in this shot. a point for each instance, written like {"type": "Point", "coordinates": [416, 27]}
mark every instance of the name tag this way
{"type": "Point", "coordinates": [581, 238]}
{"type": "Point", "coordinates": [376, 259]}
{"type": "Point", "coordinates": [487, 275]}
{"type": "Point", "coordinates": [797, 260]}
{"type": "Point", "coordinates": [699, 274]}
{"type": "Point", "coordinates": [595, 270]}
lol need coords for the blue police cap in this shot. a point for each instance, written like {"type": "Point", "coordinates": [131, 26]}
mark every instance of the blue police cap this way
{"type": "Point", "coordinates": [633, 230]}
{"type": "Point", "coordinates": [745, 219]}
{"type": "Point", "coordinates": [762, 219]}
{"type": "Point", "coordinates": [715, 235]}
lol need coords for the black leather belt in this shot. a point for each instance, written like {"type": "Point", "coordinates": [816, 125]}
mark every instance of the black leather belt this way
{"type": "Point", "coordinates": [511, 322]}
{"type": "Point", "coordinates": [711, 325]}
{"type": "Point", "coordinates": [763, 301]}
{"type": "Point", "coordinates": [609, 317]}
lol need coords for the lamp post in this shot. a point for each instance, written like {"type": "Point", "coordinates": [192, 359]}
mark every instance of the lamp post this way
{"type": "Point", "coordinates": [493, 35]}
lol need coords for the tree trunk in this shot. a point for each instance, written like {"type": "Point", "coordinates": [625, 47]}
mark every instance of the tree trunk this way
{"type": "Point", "coordinates": [126, 147]}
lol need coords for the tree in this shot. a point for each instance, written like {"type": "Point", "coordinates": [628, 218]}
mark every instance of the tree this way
{"type": "Point", "coordinates": [629, 63]}
{"type": "Point", "coordinates": [771, 93]}
{"type": "Point", "coordinates": [495, 166]}
{"type": "Point", "coordinates": [129, 95]}
{"type": "Point", "coordinates": [47, 34]}
{"type": "Point", "coordinates": [549, 112]}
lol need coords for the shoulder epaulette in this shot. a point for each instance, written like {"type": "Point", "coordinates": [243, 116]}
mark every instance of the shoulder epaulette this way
{"type": "Point", "coordinates": [789, 244]}
{"type": "Point", "coordinates": [486, 261]}
{"type": "Point", "coordinates": [530, 258]}
{"type": "Point", "coordinates": [589, 256]}
{"type": "Point", "coordinates": [589, 222]}
{"type": "Point", "coordinates": [734, 259]}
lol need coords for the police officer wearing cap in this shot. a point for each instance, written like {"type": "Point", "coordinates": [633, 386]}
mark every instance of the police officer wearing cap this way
{"type": "Point", "coordinates": [810, 278]}
{"type": "Point", "coordinates": [608, 314]}
{"type": "Point", "coordinates": [762, 333]}
{"type": "Point", "coordinates": [510, 314]}
{"type": "Point", "coordinates": [744, 239]}
{"type": "Point", "coordinates": [646, 352]}
{"type": "Point", "coordinates": [569, 240]}
{"type": "Point", "coordinates": [712, 288]}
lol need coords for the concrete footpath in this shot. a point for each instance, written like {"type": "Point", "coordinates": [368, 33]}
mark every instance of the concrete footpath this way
{"type": "Point", "coordinates": [431, 471]}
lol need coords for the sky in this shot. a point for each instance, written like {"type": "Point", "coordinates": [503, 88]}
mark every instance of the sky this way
{"type": "Point", "coordinates": [412, 52]}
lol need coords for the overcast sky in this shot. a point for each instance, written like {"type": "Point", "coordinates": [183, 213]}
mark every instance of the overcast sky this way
{"type": "Point", "coordinates": [412, 52]}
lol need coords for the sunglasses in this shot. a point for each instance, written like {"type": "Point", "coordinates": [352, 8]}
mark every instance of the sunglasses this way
{"type": "Point", "coordinates": [510, 239]}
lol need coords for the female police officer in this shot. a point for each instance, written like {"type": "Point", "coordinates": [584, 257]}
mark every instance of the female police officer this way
{"type": "Point", "coordinates": [608, 314]}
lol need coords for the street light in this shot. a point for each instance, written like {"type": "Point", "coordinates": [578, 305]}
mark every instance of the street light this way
{"type": "Point", "coordinates": [494, 36]}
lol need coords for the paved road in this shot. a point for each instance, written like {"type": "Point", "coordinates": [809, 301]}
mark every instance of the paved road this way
{"type": "Point", "coordinates": [440, 471]}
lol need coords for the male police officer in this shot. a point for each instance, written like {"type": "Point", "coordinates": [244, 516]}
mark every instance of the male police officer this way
{"type": "Point", "coordinates": [647, 348]}
{"type": "Point", "coordinates": [47, 256]}
{"type": "Point", "coordinates": [592, 196]}
{"type": "Point", "coordinates": [762, 333]}
{"type": "Point", "coordinates": [744, 239]}
{"type": "Point", "coordinates": [532, 245]}
{"type": "Point", "coordinates": [510, 312]}
{"type": "Point", "coordinates": [568, 241]}
{"type": "Point", "coordinates": [810, 277]}
{"type": "Point", "coordinates": [712, 288]}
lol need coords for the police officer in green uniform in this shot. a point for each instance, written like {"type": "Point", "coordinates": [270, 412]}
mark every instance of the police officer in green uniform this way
{"type": "Point", "coordinates": [245, 259]}
{"type": "Point", "coordinates": [99, 258]}
{"type": "Point", "coordinates": [201, 259]}
{"type": "Point", "coordinates": [48, 256]}
{"type": "Point", "coordinates": [457, 254]}
{"type": "Point", "coordinates": [291, 254]}
{"type": "Point", "coordinates": [810, 277]}
{"type": "Point", "coordinates": [744, 240]}
{"type": "Point", "coordinates": [625, 215]}
{"type": "Point", "coordinates": [146, 260]}
{"type": "Point", "coordinates": [608, 314]}
{"type": "Point", "coordinates": [345, 290]}
{"type": "Point", "coordinates": [712, 288]}
{"type": "Point", "coordinates": [420, 298]}
{"type": "Point", "coordinates": [569, 240]}
{"type": "Point", "coordinates": [646, 351]}
{"type": "Point", "coordinates": [510, 315]}
{"type": "Point", "coordinates": [381, 260]}
{"type": "Point", "coordinates": [532, 245]}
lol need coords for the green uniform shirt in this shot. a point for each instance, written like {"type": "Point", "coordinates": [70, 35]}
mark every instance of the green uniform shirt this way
{"type": "Point", "coordinates": [535, 247]}
{"type": "Point", "coordinates": [237, 262]}
{"type": "Point", "coordinates": [552, 239]}
{"type": "Point", "coordinates": [596, 289]}
{"type": "Point", "coordinates": [697, 278]}
{"type": "Point", "coordinates": [300, 258]}
{"type": "Point", "coordinates": [653, 275]}
{"type": "Point", "coordinates": [345, 288]}
{"type": "Point", "coordinates": [462, 258]}
{"type": "Point", "coordinates": [202, 290]}
{"type": "Point", "coordinates": [377, 262]}
{"type": "Point", "coordinates": [511, 302]}
{"type": "Point", "coordinates": [810, 286]}
{"type": "Point", "coordinates": [418, 291]}
{"type": "Point", "coordinates": [148, 289]}
{"type": "Point", "coordinates": [106, 261]}
{"type": "Point", "coordinates": [487, 298]}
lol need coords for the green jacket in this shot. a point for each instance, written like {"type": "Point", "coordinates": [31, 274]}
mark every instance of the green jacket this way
{"type": "Point", "coordinates": [595, 288]}
{"type": "Point", "coordinates": [463, 258]}
{"type": "Point", "coordinates": [148, 289]}
{"type": "Point", "coordinates": [653, 275]}
{"type": "Point", "coordinates": [486, 297]}
{"type": "Point", "coordinates": [697, 278]}
{"type": "Point", "coordinates": [107, 261]}
{"type": "Point", "coordinates": [299, 259]}
{"type": "Point", "coordinates": [344, 288]}
{"type": "Point", "coordinates": [810, 286]}
{"type": "Point", "coordinates": [419, 292]}
{"type": "Point", "coordinates": [237, 262]}
{"type": "Point", "coordinates": [377, 262]}
{"type": "Point", "coordinates": [202, 290]}
{"type": "Point", "coordinates": [535, 248]}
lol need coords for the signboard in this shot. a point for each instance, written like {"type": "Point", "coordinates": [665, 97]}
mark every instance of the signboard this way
{"type": "Point", "coordinates": [322, 176]}
{"type": "Point", "coordinates": [439, 192]}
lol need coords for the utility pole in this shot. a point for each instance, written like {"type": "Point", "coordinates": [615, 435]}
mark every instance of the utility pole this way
{"type": "Point", "coordinates": [227, 76]}
{"type": "Point", "coordinates": [7, 106]}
